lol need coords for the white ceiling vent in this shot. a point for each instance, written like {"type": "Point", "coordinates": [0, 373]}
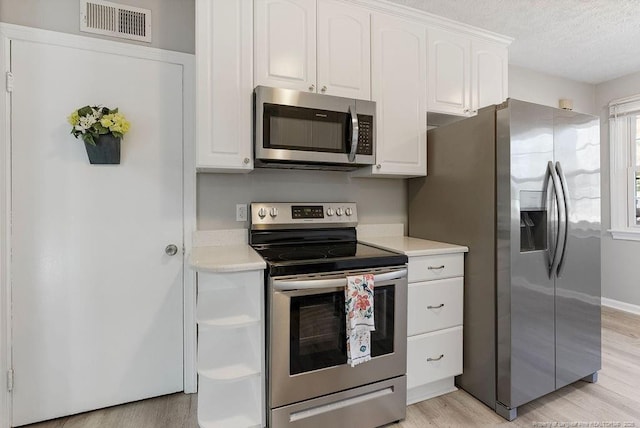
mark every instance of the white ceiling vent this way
{"type": "Point", "coordinates": [116, 20]}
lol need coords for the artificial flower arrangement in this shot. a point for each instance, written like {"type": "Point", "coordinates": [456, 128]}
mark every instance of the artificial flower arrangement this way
{"type": "Point", "coordinates": [90, 122]}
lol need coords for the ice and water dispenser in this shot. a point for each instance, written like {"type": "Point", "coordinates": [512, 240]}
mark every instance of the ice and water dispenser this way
{"type": "Point", "coordinates": [533, 221]}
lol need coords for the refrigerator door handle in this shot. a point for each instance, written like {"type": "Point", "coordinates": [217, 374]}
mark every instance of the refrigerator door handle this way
{"type": "Point", "coordinates": [565, 223]}
{"type": "Point", "coordinates": [557, 188]}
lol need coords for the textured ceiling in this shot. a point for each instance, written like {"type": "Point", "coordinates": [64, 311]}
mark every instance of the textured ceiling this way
{"type": "Point", "coordinates": [585, 40]}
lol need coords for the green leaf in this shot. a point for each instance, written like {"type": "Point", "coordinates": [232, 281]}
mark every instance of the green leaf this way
{"type": "Point", "coordinates": [101, 130]}
{"type": "Point", "coordinates": [117, 134]}
{"type": "Point", "coordinates": [88, 138]}
{"type": "Point", "coordinates": [84, 111]}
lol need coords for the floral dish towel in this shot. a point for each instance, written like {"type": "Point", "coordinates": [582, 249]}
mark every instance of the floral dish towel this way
{"type": "Point", "coordinates": [359, 314]}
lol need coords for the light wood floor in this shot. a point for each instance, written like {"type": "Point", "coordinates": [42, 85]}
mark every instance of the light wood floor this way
{"type": "Point", "coordinates": [614, 400]}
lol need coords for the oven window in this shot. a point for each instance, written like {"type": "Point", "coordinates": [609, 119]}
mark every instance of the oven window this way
{"type": "Point", "coordinates": [299, 128]}
{"type": "Point", "coordinates": [318, 331]}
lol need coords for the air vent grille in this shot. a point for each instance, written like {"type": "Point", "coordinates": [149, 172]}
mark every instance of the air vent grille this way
{"type": "Point", "coordinates": [116, 20]}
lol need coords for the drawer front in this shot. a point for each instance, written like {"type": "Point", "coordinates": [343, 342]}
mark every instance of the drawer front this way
{"type": "Point", "coordinates": [434, 356]}
{"type": "Point", "coordinates": [426, 268]}
{"type": "Point", "coordinates": [434, 305]}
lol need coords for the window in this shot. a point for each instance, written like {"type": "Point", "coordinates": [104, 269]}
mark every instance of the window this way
{"type": "Point", "coordinates": [624, 138]}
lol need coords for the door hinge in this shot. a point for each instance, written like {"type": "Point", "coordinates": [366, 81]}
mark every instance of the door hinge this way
{"type": "Point", "coordinates": [10, 380]}
{"type": "Point", "coordinates": [9, 81]}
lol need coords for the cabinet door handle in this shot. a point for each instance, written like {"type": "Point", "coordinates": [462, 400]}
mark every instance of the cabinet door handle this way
{"type": "Point", "coordinates": [312, 88]}
{"type": "Point", "coordinates": [429, 359]}
{"type": "Point", "coordinates": [324, 89]}
{"type": "Point", "coordinates": [441, 305]}
{"type": "Point", "coordinates": [436, 267]}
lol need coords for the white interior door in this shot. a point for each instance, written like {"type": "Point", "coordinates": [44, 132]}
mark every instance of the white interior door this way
{"type": "Point", "coordinates": [97, 304]}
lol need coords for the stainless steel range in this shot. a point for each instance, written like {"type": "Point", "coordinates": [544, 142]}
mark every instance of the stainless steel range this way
{"type": "Point", "coordinates": [310, 249]}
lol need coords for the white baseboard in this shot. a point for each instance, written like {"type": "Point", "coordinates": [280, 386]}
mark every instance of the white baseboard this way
{"type": "Point", "coordinates": [623, 306]}
{"type": "Point", "coordinates": [430, 390]}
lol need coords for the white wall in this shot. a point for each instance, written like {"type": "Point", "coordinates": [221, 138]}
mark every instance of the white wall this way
{"type": "Point", "coordinates": [379, 200]}
{"type": "Point", "coordinates": [173, 21]}
{"type": "Point", "coordinates": [620, 259]}
{"type": "Point", "coordinates": [540, 88]}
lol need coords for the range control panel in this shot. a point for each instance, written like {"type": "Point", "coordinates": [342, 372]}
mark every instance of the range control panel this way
{"type": "Point", "coordinates": [265, 215]}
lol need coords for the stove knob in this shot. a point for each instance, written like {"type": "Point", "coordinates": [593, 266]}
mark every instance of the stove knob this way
{"type": "Point", "coordinates": [339, 211]}
{"type": "Point", "coordinates": [273, 213]}
{"type": "Point", "coordinates": [262, 212]}
{"type": "Point", "coordinates": [330, 211]}
{"type": "Point", "coordinates": [348, 211]}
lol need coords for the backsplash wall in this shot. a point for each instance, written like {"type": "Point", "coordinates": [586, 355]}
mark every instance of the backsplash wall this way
{"type": "Point", "coordinates": [379, 200]}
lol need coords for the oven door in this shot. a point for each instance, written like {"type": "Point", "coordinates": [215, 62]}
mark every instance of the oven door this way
{"type": "Point", "coordinates": [307, 355]}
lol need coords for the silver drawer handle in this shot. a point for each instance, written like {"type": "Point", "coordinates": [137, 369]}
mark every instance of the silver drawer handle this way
{"type": "Point", "coordinates": [436, 307]}
{"type": "Point", "coordinates": [436, 359]}
{"type": "Point", "coordinates": [436, 267]}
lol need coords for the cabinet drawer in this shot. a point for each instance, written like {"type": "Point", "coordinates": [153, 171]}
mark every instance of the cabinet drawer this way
{"type": "Point", "coordinates": [426, 268]}
{"type": "Point", "coordinates": [434, 356]}
{"type": "Point", "coordinates": [434, 305]}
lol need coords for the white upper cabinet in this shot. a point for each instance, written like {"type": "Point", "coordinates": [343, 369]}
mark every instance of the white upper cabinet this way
{"type": "Point", "coordinates": [290, 35]}
{"type": "Point", "coordinates": [465, 73]}
{"type": "Point", "coordinates": [407, 64]}
{"type": "Point", "coordinates": [344, 50]}
{"type": "Point", "coordinates": [224, 94]}
{"type": "Point", "coordinates": [285, 44]}
{"type": "Point", "coordinates": [449, 72]}
{"type": "Point", "coordinates": [399, 88]}
{"type": "Point", "coordinates": [489, 73]}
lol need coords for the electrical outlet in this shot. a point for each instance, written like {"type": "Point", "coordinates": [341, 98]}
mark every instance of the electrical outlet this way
{"type": "Point", "coordinates": [241, 212]}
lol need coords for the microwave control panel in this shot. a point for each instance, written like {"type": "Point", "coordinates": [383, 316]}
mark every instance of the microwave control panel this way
{"type": "Point", "coordinates": [365, 135]}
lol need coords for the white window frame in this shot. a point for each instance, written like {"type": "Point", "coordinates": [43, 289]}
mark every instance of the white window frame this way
{"type": "Point", "coordinates": [623, 168]}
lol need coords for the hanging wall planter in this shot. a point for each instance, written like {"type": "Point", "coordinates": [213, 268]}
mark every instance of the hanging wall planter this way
{"type": "Point", "coordinates": [105, 151]}
{"type": "Point", "coordinates": [101, 130]}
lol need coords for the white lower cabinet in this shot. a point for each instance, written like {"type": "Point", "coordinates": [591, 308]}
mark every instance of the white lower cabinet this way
{"type": "Point", "coordinates": [230, 349]}
{"type": "Point", "coordinates": [434, 325]}
{"type": "Point", "coordinates": [434, 356]}
{"type": "Point", "coordinates": [434, 305]}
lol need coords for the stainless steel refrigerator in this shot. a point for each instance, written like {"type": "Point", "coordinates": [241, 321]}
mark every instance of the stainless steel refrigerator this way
{"type": "Point", "coordinates": [519, 184]}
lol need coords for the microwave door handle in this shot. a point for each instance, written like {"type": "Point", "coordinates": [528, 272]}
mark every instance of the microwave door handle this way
{"type": "Point", "coordinates": [354, 133]}
{"type": "Point", "coordinates": [305, 284]}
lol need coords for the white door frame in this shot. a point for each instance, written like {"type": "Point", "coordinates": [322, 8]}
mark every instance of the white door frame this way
{"type": "Point", "coordinates": [10, 32]}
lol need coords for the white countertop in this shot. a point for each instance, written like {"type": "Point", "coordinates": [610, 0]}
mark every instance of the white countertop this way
{"type": "Point", "coordinates": [413, 246]}
{"type": "Point", "coordinates": [227, 258]}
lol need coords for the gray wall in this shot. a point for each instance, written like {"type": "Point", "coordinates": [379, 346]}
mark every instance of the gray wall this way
{"type": "Point", "coordinates": [545, 89]}
{"type": "Point", "coordinates": [379, 200]}
{"type": "Point", "coordinates": [620, 258]}
{"type": "Point", "coordinates": [173, 21]}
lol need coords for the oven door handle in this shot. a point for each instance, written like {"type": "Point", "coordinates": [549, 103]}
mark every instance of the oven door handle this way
{"type": "Point", "coordinates": [305, 284]}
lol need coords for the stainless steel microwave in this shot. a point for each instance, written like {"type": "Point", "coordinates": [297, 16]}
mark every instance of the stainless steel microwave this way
{"type": "Point", "coordinates": [296, 129]}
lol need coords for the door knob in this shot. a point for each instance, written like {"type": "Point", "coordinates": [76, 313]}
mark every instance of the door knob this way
{"type": "Point", "coordinates": [171, 250]}
{"type": "Point", "coordinates": [312, 88]}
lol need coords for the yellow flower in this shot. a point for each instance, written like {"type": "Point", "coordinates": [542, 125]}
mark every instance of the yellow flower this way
{"type": "Point", "coordinates": [74, 118]}
{"type": "Point", "coordinates": [107, 120]}
{"type": "Point", "coordinates": [120, 124]}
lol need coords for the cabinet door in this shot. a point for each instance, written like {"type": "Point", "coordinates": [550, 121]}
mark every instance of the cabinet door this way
{"type": "Point", "coordinates": [285, 44]}
{"type": "Point", "coordinates": [344, 50]}
{"type": "Point", "coordinates": [225, 85]}
{"type": "Point", "coordinates": [489, 73]}
{"type": "Point", "coordinates": [399, 88]}
{"type": "Point", "coordinates": [449, 65]}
